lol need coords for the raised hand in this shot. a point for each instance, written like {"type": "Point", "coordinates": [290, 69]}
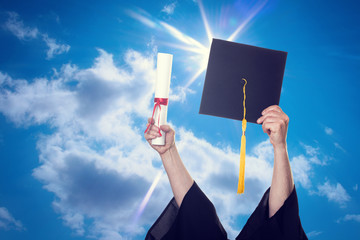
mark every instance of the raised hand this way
{"type": "Point", "coordinates": [275, 123]}
{"type": "Point", "coordinates": [153, 132]}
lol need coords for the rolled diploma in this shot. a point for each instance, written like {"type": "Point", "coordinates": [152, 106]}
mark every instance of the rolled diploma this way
{"type": "Point", "coordinates": [162, 87]}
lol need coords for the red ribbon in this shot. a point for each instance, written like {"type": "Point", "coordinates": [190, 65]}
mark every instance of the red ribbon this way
{"type": "Point", "coordinates": [158, 102]}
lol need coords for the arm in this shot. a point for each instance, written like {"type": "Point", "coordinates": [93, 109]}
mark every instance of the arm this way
{"type": "Point", "coordinates": [275, 123]}
{"type": "Point", "coordinates": [179, 178]}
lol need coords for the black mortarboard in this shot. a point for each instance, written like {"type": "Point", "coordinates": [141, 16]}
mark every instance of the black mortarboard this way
{"type": "Point", "coordinates": [229, 62]}
{"type": "Point", "coordinates": [236, 71]}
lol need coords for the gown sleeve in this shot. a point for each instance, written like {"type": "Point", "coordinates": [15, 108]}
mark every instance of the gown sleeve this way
{"type": "Point", "coordinates": [195, 219]}
{"type": "Point", "coordinates": [284, 224]}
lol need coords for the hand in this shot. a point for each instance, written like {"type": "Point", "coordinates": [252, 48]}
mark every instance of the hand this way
{"type": "Point", "coordinates": [153, 132]}
{"type": "Point", "coordinates": [275, 123]}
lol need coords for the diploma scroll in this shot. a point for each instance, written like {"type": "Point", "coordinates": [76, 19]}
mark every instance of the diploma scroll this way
{"type": "Point", "coordinates": [162, 87]}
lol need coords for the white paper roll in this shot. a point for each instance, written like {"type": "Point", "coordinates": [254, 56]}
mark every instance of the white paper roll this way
{"type": "Point", "coordinates": [162, 87]}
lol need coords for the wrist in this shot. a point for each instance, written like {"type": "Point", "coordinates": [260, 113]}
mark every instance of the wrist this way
{"type": "Point", "coordinates": [281, 147]}
{"type": "Point", "coordinates": [168, 152]}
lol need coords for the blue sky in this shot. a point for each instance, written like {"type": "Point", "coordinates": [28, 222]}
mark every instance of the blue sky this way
{"type": "Point", "coordinates": [76, 88]}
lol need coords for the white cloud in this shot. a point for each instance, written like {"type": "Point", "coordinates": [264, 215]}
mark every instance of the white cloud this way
{"type": "Point", "coordinates": [105, 188]}
{"type": "Point", "coordinates": [313, 234]}
{"type": "Point", "coordinates": [313, 155]}
{"type": "Point", "coordinates": [54, 48]}
{"type": "Point", "coordinates": [8, 222]}
{"type": "Point", "coordinates": [338, 146]}
{"type": "Point", "coordinates": [178, 94]}
{"type": "Point", "coordinates": [16, 27]}
{"type": "Point", "coordinates": [329, 131]}
{"type": "Point", "coordinates": [4, 78]}
{"type": "Point", "coordinates": [356, 187]}
{"type": "Point", "coordinates": [334, 193]}
{"type": "Point", "coordinates": [301, 169]}
{"type": "Point", "coordinates": [36, 103]}
{"type": "Point", "coordinates": [310, 150]}
{"type": "Point", "coordinates": [169, 8]}
{"type": "Point", "coordinates": [352, 217]}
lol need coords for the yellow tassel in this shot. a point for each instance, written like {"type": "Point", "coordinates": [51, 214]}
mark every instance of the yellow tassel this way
{"type": "Point", "coordinates": [241, 183]}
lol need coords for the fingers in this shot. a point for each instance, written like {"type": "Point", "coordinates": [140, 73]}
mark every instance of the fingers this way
{"type": "Point", "coordinates": [149, 136]}
{"type": "Point", "coordinates": [153, 132]}
{"type": "Point", "coordinates": [270, 115]}
{"type": "Point", "coordinates": [151, 120]}
{"type": "Point", "coordinates": [274, 123]}
{"type": "Point", "coordinates": [166, 128]}
{"type": "Point", "coordinates": [271, 127]}
{"type": "Point", "coordinates": [273, 114]}
{"type": "Point", "coordinates": [272, 108]}
{"type": "Point", "coordinates": [155, 129]}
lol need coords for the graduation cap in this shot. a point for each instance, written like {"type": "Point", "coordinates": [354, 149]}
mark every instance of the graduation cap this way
{"type": "Point", "coordinates": [241, 81]}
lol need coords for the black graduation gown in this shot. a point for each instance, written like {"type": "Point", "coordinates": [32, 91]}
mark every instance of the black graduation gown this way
{"type": "Point", "coordinates": [197, 219]}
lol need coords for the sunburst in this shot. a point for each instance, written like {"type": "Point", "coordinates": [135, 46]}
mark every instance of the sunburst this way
{"type": "Point", "coordinates": [190, 45]}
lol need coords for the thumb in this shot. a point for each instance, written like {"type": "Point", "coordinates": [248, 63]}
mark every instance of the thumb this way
{"type": "Point", "coordinates": [165, 128]}
{"type": "Point", "coordinates": [266, 128]}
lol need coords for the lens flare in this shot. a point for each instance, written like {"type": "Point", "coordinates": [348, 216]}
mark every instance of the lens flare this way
{"type": "Point", "coordinates": [206, 22]}
{"type": "Point", "coordinates": [181, 36]}
{"type": "Point", "coordinates": [147, 196]}
{"type": "Point", "coordinates": [252, 14]}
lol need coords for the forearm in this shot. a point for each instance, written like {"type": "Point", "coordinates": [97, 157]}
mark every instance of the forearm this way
{"type": "Point", "coordinates": [282, 181]}
{"type": "Point", "coordinates": [179, 178]}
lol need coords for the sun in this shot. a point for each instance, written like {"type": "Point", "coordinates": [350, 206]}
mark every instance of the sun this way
{"type": "Point", "coordinates": [190, 45]}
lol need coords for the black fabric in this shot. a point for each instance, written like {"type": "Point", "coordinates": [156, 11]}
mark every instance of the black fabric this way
{"type": "Point", "coordinates": [197, 219]}
{"type": "Point", "coordinates": [285, 224]}
{"type": "Point", "coordinates": [164, 222]}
